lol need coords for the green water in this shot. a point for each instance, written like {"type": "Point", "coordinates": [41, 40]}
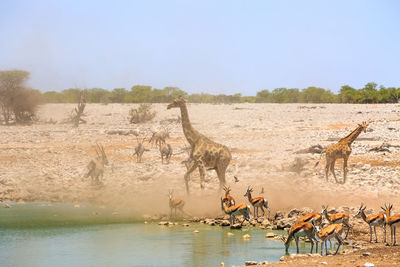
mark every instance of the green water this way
{"type": "Point", "coordinates": [35, 234]}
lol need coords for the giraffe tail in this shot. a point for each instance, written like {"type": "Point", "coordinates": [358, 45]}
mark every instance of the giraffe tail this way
{"type": "Point", "coordinates": [322, 152]}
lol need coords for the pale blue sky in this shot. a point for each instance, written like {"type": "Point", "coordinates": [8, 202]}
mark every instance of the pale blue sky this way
{"type": "Point", "coordinates": [202, 46]}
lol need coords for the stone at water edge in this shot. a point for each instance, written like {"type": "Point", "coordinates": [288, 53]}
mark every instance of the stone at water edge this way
{"type": "Point", "coordinates": [264, 262]}
{"type": "Point", "coordinates": [368, 264]}
{"type": "Point", "coordinates": [145, 222]}
{"type": "Point", "coordinates": [230, 234]}
{"type": "Point", "coordinates": [270, 235]}
{"type": "Point", "coordinates": [246, 236]}
{"type": "Point", "coordinates": [249, 263]}
{"type": "Point", "coordinates": [196, 231]}
{"type": "Point", "coordinates": [236, 226]}
{"type": "Point", "coordinates": [6, 206]}
{"type": "Point", "coordinates": [323, 263]}
{"type": "Point", "coordinates": [186, 224]}
{"type": "Point", "coordinates": [163, 223]}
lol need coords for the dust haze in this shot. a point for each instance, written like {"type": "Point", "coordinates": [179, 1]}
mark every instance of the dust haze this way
{"type": "Point", "coordinates": [47, 161]}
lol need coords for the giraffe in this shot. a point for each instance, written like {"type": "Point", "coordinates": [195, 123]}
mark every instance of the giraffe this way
{"type": "Point", "coordinates": [341, 149]}
{"type": "Point", "coordinates": [205, 153]}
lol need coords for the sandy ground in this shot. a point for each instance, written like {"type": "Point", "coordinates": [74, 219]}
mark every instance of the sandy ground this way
{"type": "Point", "coordinates": [47, 162]}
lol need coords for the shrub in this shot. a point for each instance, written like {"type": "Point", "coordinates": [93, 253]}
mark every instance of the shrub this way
{"type": "Point", "coordinates": [142, 114]}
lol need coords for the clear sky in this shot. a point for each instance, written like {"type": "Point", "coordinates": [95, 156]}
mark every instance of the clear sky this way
{"type": "Point", "coordinates": [202, 46]}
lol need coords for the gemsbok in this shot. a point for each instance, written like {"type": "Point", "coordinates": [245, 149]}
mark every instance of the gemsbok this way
{"type": "Point", "coordinates": [96, 165]}
{"type": "Point", "coordinates": [372, 221]}
{"type": "Point", "coordinates": [257, 202]}
{"type": "Point", "coordinates": [331, 231]}
{"type": "Point", "coordinates": [228, 197]}
{"type": "Point", "coordinates": [335, 218]}
{"type": "Point", "coordinates": [301, 230]}
{"type": "Point", "coordinates": [235, 210]}
{"type": "Point", "coordinates": [165, 150]}
{"type": "Point", "coordinates": [175, 203]}
{"type": "Point", "coordinates": [312, 217]}
{"type": "Point", "coordinates": [392, 222]}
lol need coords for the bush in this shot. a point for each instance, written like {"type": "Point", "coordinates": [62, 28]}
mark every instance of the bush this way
{"type": "Point", "coordinates": [141, 114]}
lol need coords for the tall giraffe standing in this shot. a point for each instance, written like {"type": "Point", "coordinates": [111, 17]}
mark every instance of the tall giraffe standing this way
{"type": "Point", "coordinates": [341, 149]}
{"type": "Point", "coordinates": [205, 153]}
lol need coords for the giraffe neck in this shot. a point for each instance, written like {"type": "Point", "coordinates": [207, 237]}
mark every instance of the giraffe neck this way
{"type": "Point", "coordinates": [190, 133]}
{"type": "Point", "coordinates": [352, 136]}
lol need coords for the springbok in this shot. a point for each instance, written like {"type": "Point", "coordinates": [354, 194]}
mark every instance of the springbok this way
{"type": "Point", "coordinates": [257, 202]}
{"type": "Point", "coordinates": [175, 203]}
{"type": "Point", "coordinates": [373, 221]}
{"type": "Point", "coordinates": [228, 197]}
{"type": "Point", "coordinates": [301, 229]}
{"type": "Point", "coordinates": [96, 165]}
{"type": "Point", "coordinates": [139, 149]}
{"type": "Point", "coordinates": [165, 150]}
{"type": "Point", "coordinates": [339, 217]}
{"type": "Point", "coordinates": [331, 231]}
{"type": "Point", "coordinates": [392, 222]}
{"type": "Point", "coordinates": [312, 217]}
{"type": "Point", "coordinates": [235, 210]}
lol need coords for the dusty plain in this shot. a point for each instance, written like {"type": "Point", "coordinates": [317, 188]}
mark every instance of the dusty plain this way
{"type": "Point", "coordinates": [47, 160]}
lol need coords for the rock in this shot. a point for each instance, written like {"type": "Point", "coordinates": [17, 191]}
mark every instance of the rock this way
{"type": "Point", "coordinates": [196, 231]}
{"type": "Point", "coordinates": [366, 254]}
{"type": "Point", "coordinates": [236, 226]}
{"type": "Point", "coordinates": [186, 224]}
{"type": "Point", "coordinates": [282, 258]}
{"type": "Point", "coordinates": [195, 219]}
{"type": "Point", "coordinates": [246, 237]}
{"type": "Point", "coordinates": [230, 234]}
{"type": "Point", "coordinates": [368, 264]}
{"type": "Point", "coordinates": [260, 219]}
{"type": "Point", "coordinates": [245, 223]}
{"type": "Point", "coordinates": [145, 222]}
{"type": "Point", "coordinates": [225, 223]}
{"type": "Point", "coordinates": [253, 222]}
{"type": "Point", "coordinates": [248, 263]}
{"type": "Point", "coordinates": [366, 167]}
{"type": "Point", "coordinates": [270, 235]}
{"type": "Point", "coordinates": [77, 206]}
{"type": "Point", "coordinates": [6, 206]}
{"type": "Point", "coordinates": [163, 223]}
{"type": "Point", "coordinates": [323, 263]}
{"type": "Point", "coordinates": [279, 215]}
{"type": "Point", "coordinates": [294, 213]}
{"type": "Point", "coordinates": [264, 262]}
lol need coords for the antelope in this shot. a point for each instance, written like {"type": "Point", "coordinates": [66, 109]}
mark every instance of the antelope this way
{"type": "Point", "coordinates": [314, 217]}
{"type": "Point", "coordinates": [340, 217]}
{"type": "Point", "coordinates": [373, 221]}
{"type": "Point", "coordinates": [228, 198]}
{"type": "Point", "coordinates": [175, 203]}
{"type": "Point", "coordinates": [165, 150]}
{"type": "Point", "coordinates": [96, 166]}
{"type": "Point", "coordinates": [139, 149]}
{"type": "Point", "coordinates": [158, 137]}
{"type": "Point", "coordinates": [235, 210]}
{"type": "Point", "coordinates": [331, 231]}
{"type": "Point", "coordinates": [257, 202]}
{"type": "Point", "coordinates": [392, 222]}
{"type": "Point", "coordinates": [301, 229]}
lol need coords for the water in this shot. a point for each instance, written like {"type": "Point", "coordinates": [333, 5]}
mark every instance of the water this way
{"type": "Point", "coordinates": [60, 235]}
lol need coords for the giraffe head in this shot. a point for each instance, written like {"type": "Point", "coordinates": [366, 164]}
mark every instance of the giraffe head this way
{"type": "Point", "coordinates": [177, 102]}
{"type": "Point", "coordinates": [364, 126]}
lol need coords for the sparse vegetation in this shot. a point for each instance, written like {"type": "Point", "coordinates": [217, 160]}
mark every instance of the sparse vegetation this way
{"type": "Point", "coordinates": [17, 102]}
{"type": "Point", "coordinates": [141, 114]}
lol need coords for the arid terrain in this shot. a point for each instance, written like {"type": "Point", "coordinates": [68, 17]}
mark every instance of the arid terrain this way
{"type": "Point", "coordinates": [47, 161]}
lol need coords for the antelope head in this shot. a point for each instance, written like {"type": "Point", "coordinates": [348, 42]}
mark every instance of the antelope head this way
{"type": "Point", "coordinates": [170, 194]}
{"type": "Point", "coordinates": [227, 189]}
{"type": "Point", "coordinates": [248, 192]}
{"type": "Point", "coordinates": [324, 209]}
{"type": "Point", "coordinates": [360, 210]}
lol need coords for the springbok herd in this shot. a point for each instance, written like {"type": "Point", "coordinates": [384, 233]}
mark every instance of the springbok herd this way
{"type": "Point", "coordinates": [206, 154]}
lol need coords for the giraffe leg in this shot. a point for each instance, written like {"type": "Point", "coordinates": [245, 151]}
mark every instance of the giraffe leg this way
{"type": "Point", "coordinates": [187, 176]}
{"type": "Point", "coordinates": [345, 169]}
{"type": "Point", "coordinates": [332, 168]}
{"type": "Point", "coordinates": [221, 176]}
{"type": "Point", "coordinates": [202, 172]}
{"type": "Point", "coordinates": [327, 168]}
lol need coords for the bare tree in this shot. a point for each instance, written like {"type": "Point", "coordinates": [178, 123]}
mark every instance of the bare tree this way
{"type": "Point", "coordinates": [77, 113]}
